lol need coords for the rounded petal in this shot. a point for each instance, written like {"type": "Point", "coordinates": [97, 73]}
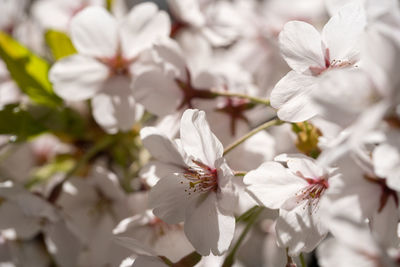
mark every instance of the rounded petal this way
{"type": "Point", "coordinates": [169, 199]}
{"type": "Point", "coordinates": [151, 86]}
{"type": "Point", "coordinates": [115, 108]}
{"type": "Point", "coordinates": [161, 147]}
{"type": "Point", "coordinates": [70, 84]}
{"type": "Point", "coordinates": [187, 11]}
{"type": "Point", "coordinates": [143, 25]}
{"type": "Point", "coordinates": [300, 45]}
{"type": "Point", "coordinates": [208, 227]}
{"type": "Point", "coordinates": [148, 261]}
{"type": "Point", "coordinates": [169, 55]}
{"type": "Point", "coordinates": [302, 166]}
{"type": "Point", "coordinates": [271, 184]}
{"type": "Point", "coordinates": [385, 158]}
{"type": "Point", "coordinates": [342, 33]}
{"type": "Point", "coordinates": [197, 139]}
{"type": "Point", "coordinates": [292, 97]}
{"type": "Point", "coordinates": [299, 229]}
{"type": "Point", "coordinates": [94, 32]}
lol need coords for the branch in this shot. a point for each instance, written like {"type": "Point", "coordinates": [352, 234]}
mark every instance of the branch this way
{"type": "Point", "coordinates": [251, 133]}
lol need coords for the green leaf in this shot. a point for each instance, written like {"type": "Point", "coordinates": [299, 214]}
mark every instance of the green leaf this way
{"type": "Point", "coordinates": [64, 121]}
{"type": "Point", "coordinates": [29, 71]}
{"type": "Point", "coordinates": [59, 43]}
{"type": "Point", "coordinates": [43, 173]}
{"type": "Point", "coordinates": [30, 121]}
{"type": "Point", "coordinates": [18, 122]}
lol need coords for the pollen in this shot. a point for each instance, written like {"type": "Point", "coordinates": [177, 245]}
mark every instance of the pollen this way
{"type": "Point", "coordinates": [200, 178]}
{"type": "Point", "coordinates": [312, 193]}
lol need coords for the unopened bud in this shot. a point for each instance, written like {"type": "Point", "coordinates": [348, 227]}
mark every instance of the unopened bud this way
{"type": "Point", "coordinates": [307, 138]}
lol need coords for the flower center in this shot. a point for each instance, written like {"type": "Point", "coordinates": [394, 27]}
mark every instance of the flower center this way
{"type": "Point", "coordinates": [190, 92]}
{"type": "Point", "coordinates": [118, 65]}
{"type": "Point", "coordinates": [161, 228]}
{"type": "Point", "coordinates": [200, 178]}
{"type": "Point", "coordinates": [235, 109]}
{"type": "Point", "coordinates": [330, 64]}
{"type": "Point", "coordinates": [313, 192]}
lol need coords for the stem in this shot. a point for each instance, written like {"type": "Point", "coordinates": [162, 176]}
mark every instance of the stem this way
{"type": "Point", "coordinates": [240, 173]}
{"type": "Point", "coordinates": [302, 260]}
{"type": "Point", "coordinates": [230, 259]}
{"type": "Point", "coordinates": [251, 133]}
{"type": "Point", "coordinates": [189, 260]}
{"type": "Point", "coordinates": [101, 145]}
{"type": "Point", "coordinates": [246, 214]}
{"type": "Point", "coordinates": [290, 262]}
{"type": "Point", "coordinates": [253, 99]}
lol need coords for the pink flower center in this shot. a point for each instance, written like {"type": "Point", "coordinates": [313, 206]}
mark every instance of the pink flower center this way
{"type": "Point", "coordinates": [118, 65]}
{"type": "Point", "coordinates": [312, 192]}
{"type": "Point", "coordinates": [235, 108]}
{"type": "Point", "coordinates": [190, 92]}
{"type": "Point", "coordinates": [201, 178]}
{"type": "Point", "coordinates": [330, 64]}
{"type": "Point", "coordinates": [160, 227]}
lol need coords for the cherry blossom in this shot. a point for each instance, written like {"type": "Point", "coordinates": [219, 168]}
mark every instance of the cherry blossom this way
{"type": "Point", "coordinates": [109, 66]}
{"type": "Point", "coordinates": [218, 21]}
{"type": "Point", "coordinates": [197, 186]}
{"type": "Point", "coordinates": [312, 56]}
{"type": "Point", "coordinates": [296, 191]}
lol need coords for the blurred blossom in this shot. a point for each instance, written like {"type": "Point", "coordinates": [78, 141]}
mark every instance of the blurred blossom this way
{"type": "Point", "coordinates": [201, 133]}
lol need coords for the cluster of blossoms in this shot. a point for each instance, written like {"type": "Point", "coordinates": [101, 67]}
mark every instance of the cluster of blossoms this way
{"type": "Point", "coordinates": [199, 133]}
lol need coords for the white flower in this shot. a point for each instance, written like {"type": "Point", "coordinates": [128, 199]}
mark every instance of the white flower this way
{"type": "Point", "coordinates": [105, 62]}
{"type": "Point", "coordinates": [174, 81]}
{"type": "Point", "coordinates": [196, 186]}
{"type": "Point", "coordinates": [95, 205]}
{"type": "Point", "coordinates": [386, 160]}
{"type": "Point", "coordinates": [57, 14]}
{"type": "Point", "coordinates": [218, 21]}
{"type": "Point", "coordinates": [313, 56]}
{"type": "Point", "coordinates": [362, 195]}
{"type": "Point", "coordinates": [153, 235]}
{"type": "Point", "coordinates": [296, 191]}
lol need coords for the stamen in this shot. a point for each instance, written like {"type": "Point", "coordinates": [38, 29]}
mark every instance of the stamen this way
{"type": "Point", "coordinates": [200, 178]}
{"type": "Point", "coordinates": [312, 193]}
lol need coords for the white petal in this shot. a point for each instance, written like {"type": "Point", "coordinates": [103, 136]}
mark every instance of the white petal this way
{"type": "Point", "coordinates": [94, 32]}
{"type": "Point", "coordinates": [13, 218]}
{"type": "Point", "coordinates": [197, 138]}
{"type": "Point", "coordinates": [342, 33]}
{"type": "Point", "coordinates": [169, 55]}
{"type": "Point", "coordinates": [152, 86]}
{"type": "Point", "coordinates": [303, 166]}
{"type": "Point", "coordinates": [332, 253]}
{"type": "Point", "coordinates": [58, 237]}
{"type": "Point", "coordinates": [136, 246]}
{"type": "Point", "coordinates": [299, 229]}
{"type": "Point", "coordinates": [207, 227]}
{"type": "Point", "coordinates": [169, 199]}
{"type": "Point", "coordinates": [78, 77]}
{"type": "Point", "coordinates": [385, 159]}
{"type": "Point", "coordinates": [271, 184]}
{"type": "Point", "coordinates": [187, 11]}
{"type": "Point", "coordinates": [143, 25]}
{"type": "Point", "coordinates": [292, 97]}
{"type": "Point", "coordinates": [148, 261]}
{"type": "Point", "coordinates": [115, 108]}
{"type": "Point", "coordinates": [227, 194]}
{"type": "Point", "coordinates": [161, 147]}
{"type": "Point", "coordinates": [384, 224]}
{"type": "Point", "coordinates": [300, 45]}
